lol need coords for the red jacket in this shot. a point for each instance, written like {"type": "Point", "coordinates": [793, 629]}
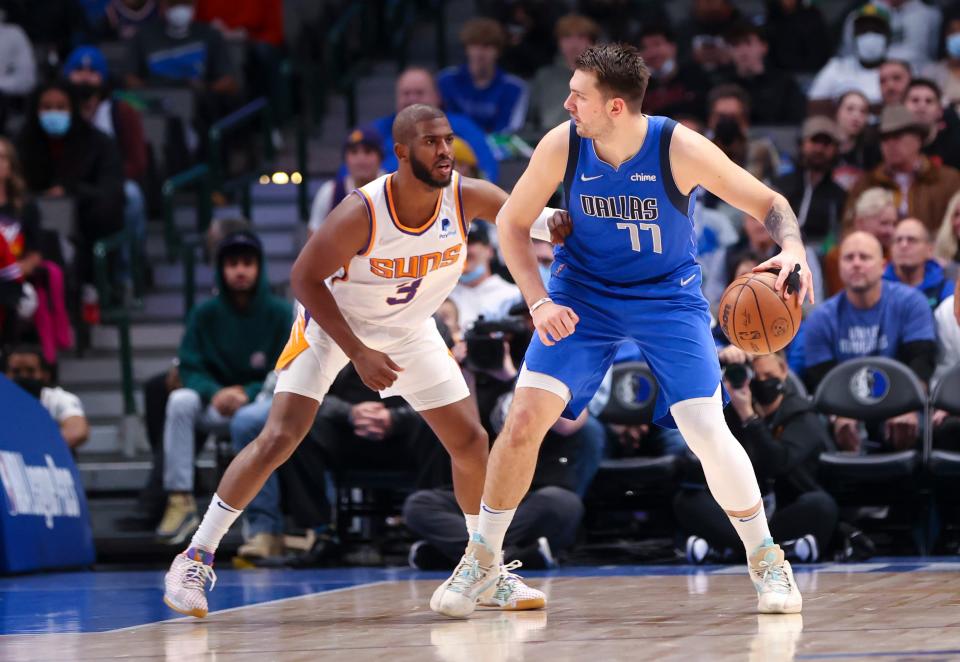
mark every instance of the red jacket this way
{"type": "Point", "coordinates": [262, 19]}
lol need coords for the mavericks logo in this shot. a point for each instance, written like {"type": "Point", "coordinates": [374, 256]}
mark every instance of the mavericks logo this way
{"type": "Point", "coordinates": [46, 490]}
{"type": "Point", "coordinates": [869, 385]}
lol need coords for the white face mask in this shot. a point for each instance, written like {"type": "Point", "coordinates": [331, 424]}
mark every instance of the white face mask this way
{"type": "Point", "coordinates": [179, 16]}
{"type": "Point", "coordinates": [871, 47]}
{"type": "Point", "coordinates": [666, 69]}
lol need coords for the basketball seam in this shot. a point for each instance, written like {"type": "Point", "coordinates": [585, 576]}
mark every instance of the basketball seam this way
{"type": "Point", "coordinates": [734, 325]}
{"type": "Point", "coordinates": [763, 324]}
{"type": "Point", "coordinates": [789, 312]}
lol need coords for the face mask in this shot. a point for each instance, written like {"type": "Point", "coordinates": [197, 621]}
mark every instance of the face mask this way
{"type": "Point", "coordinates": [31, 386]}
{"type": "Point", "coordinates": [765, 391]}
{"type": "Point", "coordinates": [55, 122]}
{"type": "Point", "coordinates": [666, 69]}
{"type": "Point", "coordinates": [179, 17]}
{"type": "Point", "coordinates": [473, 275]}
{"type": "Point", "coordinates": [544, 273]}
{"type": "Point", "coordinates": [871, 47]}
{"type": "Point", "coordinates": [86, 91]}
{"type": "Point", "coordinates": [728, 130]}
{"type": "Point", "coordinates": [953, 45]}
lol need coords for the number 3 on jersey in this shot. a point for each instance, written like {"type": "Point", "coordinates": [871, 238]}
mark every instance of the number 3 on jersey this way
{"type": "Point", "coordinates": [635, 228]}
{"type": "Point", "coordinates": [408, 290]}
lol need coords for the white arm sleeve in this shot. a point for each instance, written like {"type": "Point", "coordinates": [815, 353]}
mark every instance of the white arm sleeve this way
{"type": "Point", "coordinates": [539, 228]}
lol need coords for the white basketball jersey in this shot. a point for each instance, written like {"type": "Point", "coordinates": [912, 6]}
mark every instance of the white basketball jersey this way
{"type": "Point", "coordinates": [404, 273]}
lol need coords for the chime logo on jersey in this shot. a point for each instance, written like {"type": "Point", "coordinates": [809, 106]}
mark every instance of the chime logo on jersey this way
{"type": "Point", "coordinates": [626, 207]}
{"type": "Point", "coordinates": [416, 266]}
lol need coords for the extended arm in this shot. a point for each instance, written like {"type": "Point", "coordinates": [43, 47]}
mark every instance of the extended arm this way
{"type": "Point", "coordinates": [698, 162]}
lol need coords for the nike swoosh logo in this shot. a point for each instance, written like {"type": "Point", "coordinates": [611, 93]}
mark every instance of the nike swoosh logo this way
{"type": "Point", "coordinates": [584, 178]}
{"type": "Point", "coordinates": [229, 510]}
{"type": "Point", "coordinates": [686, 281]}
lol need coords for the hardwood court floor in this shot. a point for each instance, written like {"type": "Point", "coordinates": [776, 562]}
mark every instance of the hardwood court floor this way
{"type": "Point", "coordinates": [870, 611]}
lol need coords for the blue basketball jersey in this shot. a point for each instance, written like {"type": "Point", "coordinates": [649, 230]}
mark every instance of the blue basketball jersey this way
{"type": "Point", "coordinates": [631, 224]}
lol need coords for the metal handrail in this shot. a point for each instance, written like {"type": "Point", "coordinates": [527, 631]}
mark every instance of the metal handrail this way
{"type": "Point", "coordinates": [198, 175]}
{"type": "Point", "coordinates": [258, 109]}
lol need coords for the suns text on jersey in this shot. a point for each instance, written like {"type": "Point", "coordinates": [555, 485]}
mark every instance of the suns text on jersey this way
{"type": "Point", "coordinates": [415, 266]}
{"type": "Point", "coordinates": [626, 207]}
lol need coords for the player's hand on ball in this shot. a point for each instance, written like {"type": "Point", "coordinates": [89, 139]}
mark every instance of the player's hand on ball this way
{"type": "Point", "coordinates": [376, 369]}
{"type": "Point", "coordinates": [560, 226]}
{"type": "Point", "coordinates": [554, 322]}
{"type": "Point", "coordinates": [794, 273]}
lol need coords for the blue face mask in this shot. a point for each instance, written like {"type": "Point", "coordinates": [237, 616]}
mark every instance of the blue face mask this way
{"type": "Point", "coordinates": [55, 122]}
{"type": "Point", "coordinates": [473, 275]}
{"type": "Point", "coordinates": [953, 45]}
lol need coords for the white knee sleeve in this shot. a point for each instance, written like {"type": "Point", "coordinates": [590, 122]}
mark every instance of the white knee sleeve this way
{"type": "Point", "coordinates": [726, 466]}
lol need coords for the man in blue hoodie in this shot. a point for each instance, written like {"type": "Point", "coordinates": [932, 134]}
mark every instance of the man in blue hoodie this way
{"type": "Point", "coordinates": [231, 343]}
{"type": "Point", "coordinates": [912, 263]}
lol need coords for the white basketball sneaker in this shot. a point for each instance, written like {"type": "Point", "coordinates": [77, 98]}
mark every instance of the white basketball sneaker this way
{"type": "Point", "coordinates": [476, 572]}
{"type": "Point", "coordinates": [509, 593]}
{"type": "Point", "coordinates": [185, 583]}
{"type": "Point", "coordinates": [772, 576]}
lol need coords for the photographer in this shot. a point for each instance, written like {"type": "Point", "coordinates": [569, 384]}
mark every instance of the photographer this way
{"type": "Point", "coordinates": [547, 520]}
{"type": "Point", "coordinates": [784, 437]}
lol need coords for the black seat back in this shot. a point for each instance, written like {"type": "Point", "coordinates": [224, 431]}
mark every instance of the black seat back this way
{"type": "Point", "coordinates": [871, 388]}
{"type": "Point", "coordinates": [633, 395]}
{"type": "Point", "coordinates": [946, 395]}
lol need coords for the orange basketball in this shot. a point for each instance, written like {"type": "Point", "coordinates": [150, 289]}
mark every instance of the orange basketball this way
{"type": "Point", "coordinates": [755, 318]}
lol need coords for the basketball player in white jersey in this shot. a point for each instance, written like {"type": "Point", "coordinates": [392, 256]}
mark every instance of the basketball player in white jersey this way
{"type": "Point", "coordinates": [368, 283]}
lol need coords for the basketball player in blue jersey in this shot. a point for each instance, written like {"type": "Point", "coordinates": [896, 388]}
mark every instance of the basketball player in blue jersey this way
{"type": "Point", "coordinates": [627, 274]}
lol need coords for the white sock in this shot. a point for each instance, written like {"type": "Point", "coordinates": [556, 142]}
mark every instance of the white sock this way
{"type": "Point", "coordinates": [753, 530]}
{"type": "Point", "coordinates": [493, 527]}
{"type": "Point", "coordinates": [473, 523]}
{"type": "Point", "coordinates": [217, 520]}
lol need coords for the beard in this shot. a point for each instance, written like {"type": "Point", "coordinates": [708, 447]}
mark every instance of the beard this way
{"type": "Point", "coordinates": [423, 173]}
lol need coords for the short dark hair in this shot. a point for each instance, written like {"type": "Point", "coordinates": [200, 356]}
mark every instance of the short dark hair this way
{"type": "Point", "coordinates": [483, 32]}
{"type": "Point", "coordinates": [620, 71]}
{"type": "Point", "coordinates": [405, 123]}
{"type": "Point", "coordinates": [729, 91]}
{"type": "Point", "coordinates": [743, 30]}
{"type": "Point", "coordinates": [28, 349]}
{"type": "Point", "coordinates": [656, 30]}
{"type": "Point", "coordinates": [898, 61]}
{"type": "Point", "coordinates": [927, 83]}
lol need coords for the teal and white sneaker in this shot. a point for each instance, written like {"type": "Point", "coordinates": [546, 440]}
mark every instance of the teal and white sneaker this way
{"type": "Point", "coordinates": [477, 571]}
{"type": "Point", "coordinates": [772, 576]}
{"type": "Point", "coordinates": [510, 593]}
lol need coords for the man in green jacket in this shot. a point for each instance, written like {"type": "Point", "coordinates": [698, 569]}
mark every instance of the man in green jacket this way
{"type": "Point", "coordinates": [230, 345]}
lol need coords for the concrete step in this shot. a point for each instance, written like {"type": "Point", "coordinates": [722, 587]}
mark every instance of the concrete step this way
{"type": "Point", "coordinates": [106, 404]}
{"type": "Point", "coordinates": [165, 306]}
{"type": "Point", "coordinates": [167, 276]}
{"type": "Point", "coordinates": [104, 438]}
{"type": "Point", "coordinates": [147, 336]}
{"type": "Point", "coordinates": [276, 243]}
{"type": "Point", "coordinates": [105, 370]}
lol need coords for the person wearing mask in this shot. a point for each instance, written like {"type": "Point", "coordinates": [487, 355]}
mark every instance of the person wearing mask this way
{"type": "Point", "coordinates": [63, 155]}
{"type": "Point", "coordinates": [551, 83]}
{"type": "Point", "coordinates": [921, 187]}
{"type": "Point", "coordinates": [728, 125]}
{"type": "Point", "coordinates": [479, 88]}
{"type": "Point", "coordinates": [480, 291]}
{"type": "Point", "coordinates": [914, 25]}
{"type": "Point", "coordinates": [783, 436]}
{"type": "Point", "coordinates": [362, 158]}
{"type": "Point", "coordinates": [810, 189]}
{"type": "Point", "coordinates": [416, 85]}
{"type": "Point", "coordinates": [775, 97]}
{"type": "Point", "coordinates": [912, 263]}
{"type": "Point", "coordinates": [230, 344]}
{"type": "Point", "coordinates": [27, 368]}
{"type": "Point", "coordinates": [946, 72]}
{"type": "Point", "coordinates": [870, 317]}
{"type": "Point", "coordinates": [924, 100]}
{"type": "Point", "coordinates": [895, 76]}
{"type": "Point", "coordinates": [674, 88]}
{"type": "Point", "coordinates": [859, 70]}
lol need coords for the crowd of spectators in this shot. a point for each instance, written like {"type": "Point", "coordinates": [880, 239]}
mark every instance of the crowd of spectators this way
{"type": "Point", "coordinates": [853, 116]}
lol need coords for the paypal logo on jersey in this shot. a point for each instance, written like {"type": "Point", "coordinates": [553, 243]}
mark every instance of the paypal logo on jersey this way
{"type": "Point", "coordinates": [642, 177]}
{"type": "Point", "coordinates": [626, 207]}
{"type": "Point", "coordinates": [446, 228]}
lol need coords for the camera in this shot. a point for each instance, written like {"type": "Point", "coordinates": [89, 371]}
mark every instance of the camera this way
{"type": "Point", "coordinates": [485, 350]}
{"type": "Point", "coordinates": [737, 374]}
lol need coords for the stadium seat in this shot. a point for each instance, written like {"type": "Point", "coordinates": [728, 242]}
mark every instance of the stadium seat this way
{"type": "Point", "coordinates": [634, 482]}
{"type": "Point", "coordinates": [874, 389]}
{"type": "Point", "coordinates": [944, 466]}
{"type": "Point", "coordinates": [795, 384]}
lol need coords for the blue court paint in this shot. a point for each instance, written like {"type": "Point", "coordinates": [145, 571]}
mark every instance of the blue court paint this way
{"type": "Point", "coordinates": [102, 601]}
